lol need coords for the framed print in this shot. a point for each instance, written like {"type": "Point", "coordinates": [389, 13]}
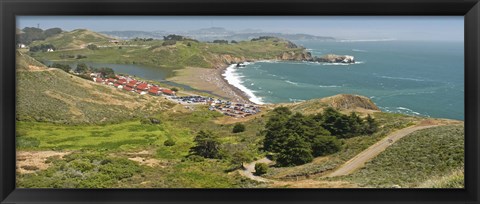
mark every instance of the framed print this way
{"type": "Point", "coordinates": [239, 102]}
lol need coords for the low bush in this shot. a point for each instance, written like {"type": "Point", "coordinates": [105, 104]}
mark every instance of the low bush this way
{"type": "Point", "coordinates": [261, 168]}
{"type": "Point", "coordinates": [169, 143]}
{"type": "Point", "coordinates": [238, 128]}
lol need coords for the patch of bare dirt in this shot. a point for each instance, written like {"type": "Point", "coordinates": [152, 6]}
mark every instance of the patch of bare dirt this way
{"type": "Point", "coordinates": [144, 157]}
{"type": "Point", "coordinates": [32, 161]}
{"type": "Point", "coordinates": [147, 161]}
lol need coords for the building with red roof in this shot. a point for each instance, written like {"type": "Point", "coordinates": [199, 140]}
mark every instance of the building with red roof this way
{"type": "Point", "coordinates": [142, 86]}
{"type": "Point", "coordinates": [168, 92]}
{"type": "Point", "coordinates": [98, 80]}
{"type": "Point", "coordinates": [153, 91]}
{"type": "Point", "coordinates": [131, 85]}
{"type": "Point", "coordinates": [122, 81]}
{"type": "Point", "coordinates": [126, 88]}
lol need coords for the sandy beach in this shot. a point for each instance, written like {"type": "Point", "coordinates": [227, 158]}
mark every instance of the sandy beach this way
{"type": "Point", "coordinates": [210, 80]}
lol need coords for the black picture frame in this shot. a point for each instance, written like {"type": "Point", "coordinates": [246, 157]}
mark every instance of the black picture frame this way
{"type": "Point", "coordinates": [470, 9]}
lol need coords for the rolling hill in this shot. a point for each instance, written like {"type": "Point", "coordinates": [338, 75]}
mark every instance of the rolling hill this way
{"type": "Point", "coordinates": [50, 94]}
{"type": "Point", "coordinates": [426, 158]}
{"type": "Point", "coordinates": [76, 39]}
{"type": "Point", "coordinates": [174, 54]}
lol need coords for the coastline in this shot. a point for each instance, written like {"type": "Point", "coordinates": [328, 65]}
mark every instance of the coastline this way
{"type": "Point", "coordinates": [220, 72]}
{"type": "Point", "coordinates": [211, 80]}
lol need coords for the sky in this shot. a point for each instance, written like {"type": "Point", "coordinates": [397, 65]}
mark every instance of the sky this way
{"type": "Point", "coordinates": [431, 28]}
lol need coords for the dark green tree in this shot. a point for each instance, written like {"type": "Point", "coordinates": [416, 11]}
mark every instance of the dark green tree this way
{"type": "Point", "coordinates": [371, 125]}
{"type": "Point", "coordinates": [356, 124]}
{"type": "Point", "coordinates": [275, 131]}
{"type": "Point", "coordinates": [92, 47]}
{"type": "Point", "coordinates": [52, 31]}
{"type": "Point", "coordinates": [329, 117]}
{"type": "Point", "coordinates": [221, 41]}
{"type": "Point", "coordinates": [106, 72]}
{"type": "Point", "coordinates": [206, 145]}
{"type": "Point", "coordinates": [325, 145]}
{"type": "Point", "coordinates": [295, 152]}
{"type": "Point", "coordinates": [81, 68]}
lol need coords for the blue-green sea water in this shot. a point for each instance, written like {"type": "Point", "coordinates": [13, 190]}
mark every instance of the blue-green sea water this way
{"type": "Point", "coordinates": [417, 78]}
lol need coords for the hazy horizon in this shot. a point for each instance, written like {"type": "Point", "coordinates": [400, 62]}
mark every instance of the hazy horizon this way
{"type": "Point", "coordinates": [431, 28]}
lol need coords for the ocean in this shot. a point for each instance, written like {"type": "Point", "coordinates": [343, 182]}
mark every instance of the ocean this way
{"type": "Point", "coordinates": [415, 78]}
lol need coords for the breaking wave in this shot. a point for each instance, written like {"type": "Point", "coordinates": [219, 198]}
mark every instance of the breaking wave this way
{"type": "Point", "coordinates": [234, 79]}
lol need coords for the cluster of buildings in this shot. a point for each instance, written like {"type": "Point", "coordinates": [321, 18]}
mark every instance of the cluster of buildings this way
{"type": "Point", "coordinates": [129, 83]}
{"type": "Point", "coordinates": [237, 110]}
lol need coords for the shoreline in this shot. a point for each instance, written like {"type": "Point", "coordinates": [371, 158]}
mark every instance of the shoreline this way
{"type": "Point", "coordinates": [210, 80]}
{"type": "Point", "coordinates": [241, 94]}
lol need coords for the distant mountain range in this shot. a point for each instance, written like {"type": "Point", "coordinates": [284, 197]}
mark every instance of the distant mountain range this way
{"type": "Point", "coordinates": [214, 33]}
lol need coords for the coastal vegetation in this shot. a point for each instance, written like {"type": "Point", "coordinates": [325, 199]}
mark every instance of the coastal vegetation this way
{"type": "Point", "coordinates": [173, 52]}
{"type": "Point", "coordinates": [417, 158]}
{"type": "Point", "coordinates": [106, 138]}
{"type": "Point", "coordinates": [297, 139]}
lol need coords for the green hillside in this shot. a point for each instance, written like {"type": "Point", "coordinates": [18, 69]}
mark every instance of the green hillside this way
{"type": "Point", "coordinates": [76, 39]}
{"type": "Point", "coordinates": [172, 54]}
{"type": "Point", "coordinates": [25, 62]}
{"type": "Point", "coordinates": [435, 153]}
{"type": "Point", "coordinates": [53, 95]}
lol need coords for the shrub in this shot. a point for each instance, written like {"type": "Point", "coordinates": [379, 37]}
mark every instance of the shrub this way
{"type": "Point", "coordinates": [169, 42]}
{"type": "Point", "coordinates": [150, 121]}
{"type": "Point", "coordinates": [81, 56]}
{"type": "Point", "coordinates": [261, 168]}
{"type": "Point", "coordinates": [169, 143]}
{"type": "Point", "coordinates": [239, 127]}
{"type": "Point", "coordinates": [29, 167]}
{"type": "Point", "coordinates": [195, 158]}
{"type": "Point", "coordinates": [92, 47]}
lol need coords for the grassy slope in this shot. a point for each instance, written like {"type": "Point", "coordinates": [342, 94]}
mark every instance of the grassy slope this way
{"type": "Point", "coordinates": [130, 137]}
{"type": "Point", "coordinates": [180, 55]}
{"type": "Point", "coordinates": [56, 96]}
{"type": "Point", "coordinates": [350, 148]}
{"type": "Point", "coordinates": [23, 61]}
{"type": "Point", "coordinates": [74, 39]}
{"type": "Point", "coordinates": [424, 155]}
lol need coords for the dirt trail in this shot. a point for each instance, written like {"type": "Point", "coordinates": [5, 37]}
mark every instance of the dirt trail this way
{"type": "Point", "coordinates": [349, 166]}
{"type": "Point", "coordinates": [359, 160]}
{"type": "Point", "coordinates": [249, 169]}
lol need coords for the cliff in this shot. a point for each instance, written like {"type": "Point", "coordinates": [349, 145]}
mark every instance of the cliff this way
{"type": "Point", "coordinates": [343, 102]}
{"type": "Point", "coordinates": [348, 101]}
{"type": "Point", "coordinates": [332, 58]}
